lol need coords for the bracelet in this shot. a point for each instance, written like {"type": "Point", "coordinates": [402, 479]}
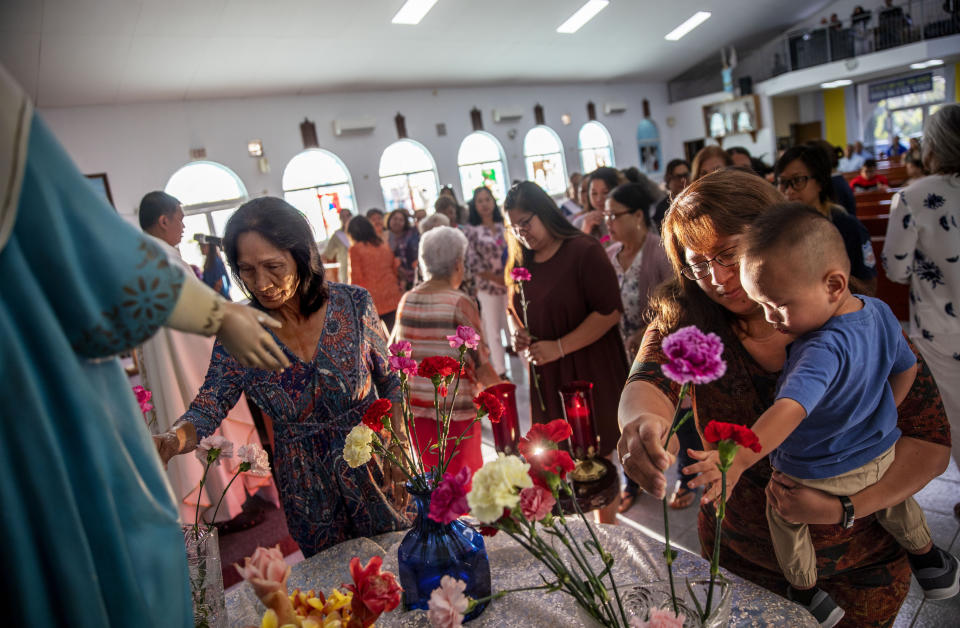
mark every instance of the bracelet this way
{"type": "Point", "coordinates": [560, 345]}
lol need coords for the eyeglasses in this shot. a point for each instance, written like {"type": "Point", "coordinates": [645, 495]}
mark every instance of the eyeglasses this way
{"type": "Point", "coordinates": [611, 216]}
{"type": "Point", "coordinates": [522, 225]}
{"type": "Point", "coordinates": [725, 258]}
{"type": "Point", "coordinates": [797, 183]}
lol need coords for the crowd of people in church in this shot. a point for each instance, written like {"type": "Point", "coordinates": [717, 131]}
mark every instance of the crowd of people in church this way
{"type": "Point", "coordinates": [615, 267]}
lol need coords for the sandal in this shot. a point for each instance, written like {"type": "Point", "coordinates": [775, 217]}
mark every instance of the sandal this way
{"type": "Point", "coordinates": [682, 497]}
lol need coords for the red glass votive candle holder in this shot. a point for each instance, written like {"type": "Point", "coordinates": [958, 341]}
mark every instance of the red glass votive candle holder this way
{"type": "Point", "coordinates": [577, 398]}
{"type": "Point", "coordinates": [506, 432]}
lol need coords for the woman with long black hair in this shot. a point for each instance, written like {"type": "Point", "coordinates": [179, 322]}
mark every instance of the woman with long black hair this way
{"type": "Point", "coordinates": [573, 312]}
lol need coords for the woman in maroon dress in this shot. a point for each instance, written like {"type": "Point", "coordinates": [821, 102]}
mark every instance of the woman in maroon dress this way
{"type": "Point", "coordinates": [573, 310]}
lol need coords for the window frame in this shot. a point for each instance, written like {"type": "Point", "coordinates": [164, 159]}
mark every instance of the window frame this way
{"type": "Point", "coordinates": [581, 149]}
{"type": "Point", "coordinates": [502, 161]}
{"type": "Point", "coordinates": [560, 153]}
{"type": "Point", "coordinates": [407, 174]}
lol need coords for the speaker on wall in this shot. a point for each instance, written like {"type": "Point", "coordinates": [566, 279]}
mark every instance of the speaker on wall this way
{"type": "Point", "coordinates": [746, 85]}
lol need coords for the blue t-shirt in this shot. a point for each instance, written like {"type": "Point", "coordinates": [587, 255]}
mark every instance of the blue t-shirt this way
{"type": "Point", "coordinates": [838, 373]}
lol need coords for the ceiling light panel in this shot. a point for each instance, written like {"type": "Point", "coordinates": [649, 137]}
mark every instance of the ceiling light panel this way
{"type": "Point", "coordinates": [837, 83]}
{"type": "Point", "coordinates": [932, 63]}
{"type": "Point", "coordinates": [695, 20]}
{"type": "Point", "coordinates": [583, 15]}
{"type": "Point", "coordinates": [413, 11]}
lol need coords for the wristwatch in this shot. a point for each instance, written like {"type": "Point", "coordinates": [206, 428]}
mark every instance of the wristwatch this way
{"type": "Point", "coordinates": [848, 515]}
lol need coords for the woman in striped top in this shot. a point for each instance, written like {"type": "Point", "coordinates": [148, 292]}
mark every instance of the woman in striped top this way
{"type": "Point", "coordinates": [425, 317]}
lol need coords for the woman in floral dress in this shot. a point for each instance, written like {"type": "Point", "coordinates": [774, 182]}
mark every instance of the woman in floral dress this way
{"type": "Point", "coordinates": [486, 255]}
{"type": "Point", "coordinates": [336, 345]}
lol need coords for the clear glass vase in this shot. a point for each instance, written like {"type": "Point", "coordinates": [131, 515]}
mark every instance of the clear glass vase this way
{"type": "Point", "coordinates": [639, 599]}
{"type": "Point", "coordinates": [206, 577]}
{"type": "Point", "coordinates": [431, 550]}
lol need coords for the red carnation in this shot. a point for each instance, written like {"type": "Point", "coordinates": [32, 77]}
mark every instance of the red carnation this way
{"type": "Point", "coordinates": [487, 403]}
{"type": "Point", "coordinates": [376, 413]}
{"type": "Point", "coordinates": [438, 366]}
{"type": "Point", "coordinates": [374, 592]}
{"type": "Point", "coordinates": [557, 430]}
{"type": "Point", "coordinates": [717, 431]}
{"type": "Point", "coordinates": [548, 463]}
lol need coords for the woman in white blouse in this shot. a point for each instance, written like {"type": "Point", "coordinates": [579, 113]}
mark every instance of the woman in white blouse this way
{"type": "Point", "coordinates": [923, 249]}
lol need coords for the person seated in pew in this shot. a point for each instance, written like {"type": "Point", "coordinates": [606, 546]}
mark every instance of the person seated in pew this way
{"type": "Point", "coordinates": [869, 179]}
{"type": "Point", "coordinates": [915, 170]}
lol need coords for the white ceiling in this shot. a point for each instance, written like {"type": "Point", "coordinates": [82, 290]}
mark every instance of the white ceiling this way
{"type": "Point", "coordinates": [85, 52]}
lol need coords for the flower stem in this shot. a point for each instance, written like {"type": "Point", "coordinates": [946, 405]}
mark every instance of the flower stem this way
{"type": "Point", "coordinates": [715, 559]}
{"type": "Point", "coordinates": [224, 494]}
{"type": "Point", "coordinates": [196, 516]}
{"type": "Point", "coordinates": [668, 551]}
{"type": "Point", "coordinates": [526, 325]}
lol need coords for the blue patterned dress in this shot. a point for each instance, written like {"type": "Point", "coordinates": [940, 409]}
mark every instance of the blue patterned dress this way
{"type": "Point", "coordinates": [313, 406]}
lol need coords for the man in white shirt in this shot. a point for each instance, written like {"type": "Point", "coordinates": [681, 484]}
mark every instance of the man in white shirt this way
{"type": "Point", "coordinates": [851, 162]}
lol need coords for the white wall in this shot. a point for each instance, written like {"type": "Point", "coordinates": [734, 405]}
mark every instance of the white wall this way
{"type": "Point", "coordinates": [688, 116]}
{"type": "Point", "coordinates": [140, 146]}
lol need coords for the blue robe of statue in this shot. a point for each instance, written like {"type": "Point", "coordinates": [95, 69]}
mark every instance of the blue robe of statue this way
{"type": "Point", "coordinates": [88, 525]}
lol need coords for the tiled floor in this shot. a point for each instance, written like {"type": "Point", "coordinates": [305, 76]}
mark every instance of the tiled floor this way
{"type": "Point", "coordinates": [937, 501]}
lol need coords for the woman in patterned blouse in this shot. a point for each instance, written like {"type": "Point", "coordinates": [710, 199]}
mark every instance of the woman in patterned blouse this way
{"type": "Point", "coordinates": [337, 348]}
{"type": "Point", "coordinates": [923, 249]}
{"type": "Point", "coordinates": [486, 255]}
{"type": "Point", "coordinates": [862, 568]}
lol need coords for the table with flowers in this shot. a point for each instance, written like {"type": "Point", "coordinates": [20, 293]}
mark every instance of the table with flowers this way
{"type": "Point", "coordinates": [638, 559]}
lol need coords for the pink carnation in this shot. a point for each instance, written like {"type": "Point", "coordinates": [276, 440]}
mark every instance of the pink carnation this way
{"type": "Point", "coordinates": [520, 274]}
{"type": "Point", "coordinates": [449, 500]}
{"type": "Point", "coordinates": [693, 357]}
{"type": "Point", "coordinates": [464, 336]}
{"type": "Point", "coordinates": [254, 455]}
{"type": "Point", "coordinates": [448, 604]}
{"type": "Point", "coordinates": [659, 618]}
{"type": "Point", "coordinates": [265, 571]}
{"type": "Point", "coordinates": [536, 503]}
{"type": "Point", "coordinates": [213, 448]}
{"type": "Point", "coordinates": [403, 364]}
{"type": "Point", "coordinates": [401, 348]}
{"type": "Point", "coordinates": [143, 398]}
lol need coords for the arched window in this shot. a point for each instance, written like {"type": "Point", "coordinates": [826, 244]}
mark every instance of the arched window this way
{"type": "Point", "coordinates": [648, 144]}
{"type": "Point", "coordinates": [317, 183]}
{"type": "Point", "coordinates": [210, 193]}
{"type": "Point", "coordinates": [408, 177]}
{"type": "Point", "coordinates": [596, 147]}
{"type": "Point", "coordinates": [543, 154]}
{"type": "Point", "coordinates": [482, 163]}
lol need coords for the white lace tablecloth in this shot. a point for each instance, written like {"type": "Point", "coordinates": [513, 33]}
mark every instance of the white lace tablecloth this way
{"type": "Point", "coordinates": [638, 559]}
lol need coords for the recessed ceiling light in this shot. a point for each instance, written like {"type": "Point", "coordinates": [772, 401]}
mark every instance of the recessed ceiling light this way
{"type": "Point", "coordinates": [837, 83]}
{"type": "Point", "coordinates": [932, 63]}
{"type": "Point", "coordinates": [413, 11]}
{"type": "Point", "coordinates": [583, 15]}
{"type": "Point", "coordinates": [695, 20]}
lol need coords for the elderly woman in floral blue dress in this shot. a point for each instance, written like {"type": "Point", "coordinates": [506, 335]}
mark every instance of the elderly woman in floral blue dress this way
{"type": "Point", "coordinates": [336, 344]}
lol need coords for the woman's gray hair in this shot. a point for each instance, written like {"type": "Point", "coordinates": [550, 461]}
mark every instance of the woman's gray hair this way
{"type": "Point", "coordinates": [941, 141]}
{"type": "Point", "coordinates": [440, 250]}
{"type": "Point", "coordinates": [432, 221]}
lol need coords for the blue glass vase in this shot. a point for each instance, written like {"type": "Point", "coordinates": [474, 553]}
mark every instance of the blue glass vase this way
{"type": "Point", "coordinates": [431, 550]}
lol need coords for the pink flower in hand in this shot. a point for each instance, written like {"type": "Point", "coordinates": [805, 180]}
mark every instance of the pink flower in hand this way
{"type": "Point", "coordinates": [693, 356]}
{"type": "Point", "coordinates": [401, 348]}
{"type": "Point", "coordinates": [213, 448]}
{"type": "Point", "coordinates": [520, 274]}
{"type": "Point", "coordinates": [449, 499]}
{"type": "Point", "coordinates": [536, 502]}
{"type": "Point", "coordinates": [464, 336]}
{"type": "Point", "coordinates": [659, 618]}
{"type": "Point", "coordinates": [143, 398]}
{"type": "Point", "coordinates": [448, 604]}
{"type": "Point", "coordinates": [254, 456]}
{"type": "Point", "coordinates": [266, 571]}
{"type": "Point", "coordinates": [403, 364]}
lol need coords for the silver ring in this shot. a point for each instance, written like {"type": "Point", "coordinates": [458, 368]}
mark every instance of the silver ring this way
{"type": "Point", "coordinates": [261, 319]}
{"type": "Point", "coordinates": [624, 457]}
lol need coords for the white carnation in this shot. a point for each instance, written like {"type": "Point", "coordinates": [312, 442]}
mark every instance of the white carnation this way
{"type": "Point", "coordinates": [356, 449]}
{"type": "Point", "coordinates": [497, 486]}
